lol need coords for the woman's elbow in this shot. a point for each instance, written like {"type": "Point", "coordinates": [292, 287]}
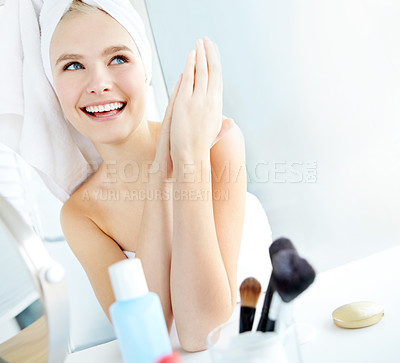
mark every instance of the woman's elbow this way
{"type": "Point", "coordinates": [193, 344]}
{"type": "Point", "coordinates": [193, 336]}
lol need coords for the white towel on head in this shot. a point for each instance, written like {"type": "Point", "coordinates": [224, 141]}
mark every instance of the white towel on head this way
{"type": "Point", "coordinates": [121, 10]}
{"type": "Point", "coordinates": [31, 120]}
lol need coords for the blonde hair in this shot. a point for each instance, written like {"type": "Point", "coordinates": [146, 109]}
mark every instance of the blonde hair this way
{"type": "Point", "coordinates": [79, 7]}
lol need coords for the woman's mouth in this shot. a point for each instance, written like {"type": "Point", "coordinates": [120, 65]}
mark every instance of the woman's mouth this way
{"type": "Point", "coordinates": [106, 110]}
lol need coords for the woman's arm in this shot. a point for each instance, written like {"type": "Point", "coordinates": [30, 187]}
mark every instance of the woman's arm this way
{"type": "Point", "coordinates": [96, 251]}
{"type": "Point", "coordinates": [155, 238]}
{"type": "Point", "coordinates": [206, 240]}
{"type": "Point", "coordinates": [92, 247]}
{"type": "Point", "coordinates": [154, 247]}
{"type": "Point", "coordinates": [208, 212]}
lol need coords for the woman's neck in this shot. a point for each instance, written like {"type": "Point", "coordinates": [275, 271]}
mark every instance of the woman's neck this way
{"type": "Point", "coordinates": [123, 161]}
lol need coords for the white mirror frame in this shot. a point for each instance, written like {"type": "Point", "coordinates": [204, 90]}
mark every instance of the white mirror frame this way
{"type": "Point", "coordinates": [49, 279]}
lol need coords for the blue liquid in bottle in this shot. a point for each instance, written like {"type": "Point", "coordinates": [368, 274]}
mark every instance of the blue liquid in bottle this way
{"type": "Point", "coordinates": [137, 315]}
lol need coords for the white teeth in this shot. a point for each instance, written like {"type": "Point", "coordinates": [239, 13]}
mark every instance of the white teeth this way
{"type": "Point", "coordinates": [104, 108]}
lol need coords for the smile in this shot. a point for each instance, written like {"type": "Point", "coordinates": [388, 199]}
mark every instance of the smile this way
{"type": "Point", "coordinates": [105, 110]}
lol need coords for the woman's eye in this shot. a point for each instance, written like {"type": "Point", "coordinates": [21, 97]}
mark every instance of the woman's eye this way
{"type": "Point", "coordinates": [73, 66]}
{"type": "Point", "coordinates": [119, 59]}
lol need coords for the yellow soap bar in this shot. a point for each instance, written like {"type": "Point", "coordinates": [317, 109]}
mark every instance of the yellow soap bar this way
{"type": "Point", "coordinates": [358, 314]}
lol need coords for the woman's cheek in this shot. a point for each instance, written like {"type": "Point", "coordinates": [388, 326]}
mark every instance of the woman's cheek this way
{"type": "Point", "coordinates": [66, 96]}
{"type": "Point", "coordinates": [132, 83]}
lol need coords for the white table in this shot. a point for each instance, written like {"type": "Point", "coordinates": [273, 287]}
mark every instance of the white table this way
{"type": "Point", "coordinates": [375, 278]}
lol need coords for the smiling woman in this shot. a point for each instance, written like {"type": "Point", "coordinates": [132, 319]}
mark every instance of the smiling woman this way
{"type": "Point", "coordinates": [187, 230]}
{"type": "Point", "coordinates": [98, 72]}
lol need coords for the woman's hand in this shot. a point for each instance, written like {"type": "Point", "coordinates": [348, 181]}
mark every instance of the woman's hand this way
{"type": "Point", "coordinates": [162, 164]}
{"type": "Point", "coordinates": [196, 117]}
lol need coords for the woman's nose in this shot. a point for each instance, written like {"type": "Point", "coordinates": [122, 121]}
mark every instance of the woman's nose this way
{"type": "Point", "coordinates": [98, 81]}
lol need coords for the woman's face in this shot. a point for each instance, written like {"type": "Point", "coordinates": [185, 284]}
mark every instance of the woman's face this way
{"type": "Point", "coordinates": [99, 76]}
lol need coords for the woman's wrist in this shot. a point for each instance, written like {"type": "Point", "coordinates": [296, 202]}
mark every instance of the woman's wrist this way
{"type": "Point", "coordinates": [192, 169]}
{"type": "Point", "coordinates": [189, 154]}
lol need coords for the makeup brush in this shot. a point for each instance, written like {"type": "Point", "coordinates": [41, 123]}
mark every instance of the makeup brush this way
{"type": "Point", "coordinates": [291, 275]}
{"type": "Point", "coordinates": [278, 245]}
{"type": "Point", "coordinates": [250, 291]}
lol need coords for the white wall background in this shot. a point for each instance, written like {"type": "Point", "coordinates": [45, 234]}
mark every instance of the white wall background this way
{"type": "Point", "coordinates": [315, 87]}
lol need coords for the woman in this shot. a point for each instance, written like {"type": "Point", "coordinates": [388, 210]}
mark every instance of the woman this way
{"type": "Point", "coordinates": [172, 193]}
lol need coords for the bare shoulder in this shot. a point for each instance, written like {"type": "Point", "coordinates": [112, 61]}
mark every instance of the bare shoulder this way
{"type": "Point", "coordinates": [76, 215]}
{"type": "Point", "coordinates": [82, 202]}
{"type": "Point", "coordinates": [229, 176]}
{"type": "Point", "coordinates": [94, 249]}
{"type": "Point", "coordinates": [230, 147]}
{"type": "Point", "coordinates": [75, 207]}
{"type": "Point", "coordinates": [228, 157]}
{"type": "Point", "coordinates": [80, 224]}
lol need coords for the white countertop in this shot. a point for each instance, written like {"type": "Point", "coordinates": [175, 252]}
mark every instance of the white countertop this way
{"type": "Point", "coordinates": [375, 278]}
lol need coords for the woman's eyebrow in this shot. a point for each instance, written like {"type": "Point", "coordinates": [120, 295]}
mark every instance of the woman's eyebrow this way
{"type": "Point", "coordinates": [64, 57]}
{"type": "Point", "coordinates": [115, 49]}
{"type": "Point", "coordinates": [107, 51]}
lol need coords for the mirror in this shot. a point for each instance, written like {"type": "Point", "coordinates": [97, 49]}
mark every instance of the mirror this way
{"type": "Point", "coordinates": [34, 315]}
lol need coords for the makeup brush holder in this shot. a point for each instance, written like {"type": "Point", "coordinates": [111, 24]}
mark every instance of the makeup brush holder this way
{"type": "Point", "coordinates": [226, 345]}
